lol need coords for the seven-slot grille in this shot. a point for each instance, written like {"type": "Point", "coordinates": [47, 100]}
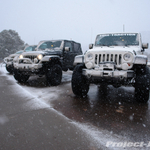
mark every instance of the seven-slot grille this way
{"type": "Point", "coordinates": [32, 57]}
{"type": "Point", "coordinates": [117, 58]}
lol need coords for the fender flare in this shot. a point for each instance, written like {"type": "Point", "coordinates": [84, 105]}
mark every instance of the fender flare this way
{"type": "Point", "coordinates": [53, 58]}
{"type": "Point", "coordinates": [79, 59]}
{"type": "Point", "coordinates": [140, 59]}
{"type": "Point", "coordinates": [49, 58]}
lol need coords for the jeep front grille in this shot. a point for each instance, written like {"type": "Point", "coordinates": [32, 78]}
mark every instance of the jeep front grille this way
{"type": "Point", "coordinates": [116, 58]}
{"type": "Point", "coordinates": [31, 57]}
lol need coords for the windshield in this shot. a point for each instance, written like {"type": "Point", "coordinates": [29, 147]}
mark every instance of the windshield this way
{"type": "Point", "coordinates": [51, 45]}
{"type": "Point", "coordinates": [19, 52]}
{"type": "Point", "coordinates": [128, 39]}
{"type": "Point", "coordinates": [30, 48]}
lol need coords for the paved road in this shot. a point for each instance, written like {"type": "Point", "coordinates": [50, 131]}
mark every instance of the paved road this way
{"type": "Point", "coordinates": [26, 126]}
{"type": "Point", "coordinates": [52, 117]}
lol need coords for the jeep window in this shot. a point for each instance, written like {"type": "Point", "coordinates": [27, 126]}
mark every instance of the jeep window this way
{"type": "Point", "coordinates": [30, 48]}
{"type": "Point", "coordinates": [51, 45]}
{"type": "Point", "coordinates": [77, 47]}
{"type": "Point", "coordinates": [117, 40]}
{"type": "Point", "coordinates": [68, 44]}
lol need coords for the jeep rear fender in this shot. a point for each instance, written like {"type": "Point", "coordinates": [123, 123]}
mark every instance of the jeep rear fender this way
{"type": "Point", "coordinates": [140, 59]}
{"type": "Point", "coordinates": [79, 59]}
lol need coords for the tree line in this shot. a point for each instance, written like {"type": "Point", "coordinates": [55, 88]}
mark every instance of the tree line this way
{"type": "Point", "coordinates": [10, 42]}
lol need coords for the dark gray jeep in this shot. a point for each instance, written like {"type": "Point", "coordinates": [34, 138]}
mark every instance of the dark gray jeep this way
{"type": "Point", "coordinates": [49, 59]}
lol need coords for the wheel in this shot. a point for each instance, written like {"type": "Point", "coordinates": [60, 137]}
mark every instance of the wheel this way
{"type": "Point", "coordinates": [20, 77]}
{"type": "Point", "coordinates": [80, 84]}
{"type": "Point", "coordinates": [54, 74]}
{"type": "Point", "coordinates": [142, 86]}
{"type": "Point", "coordinates": [65, 69]}
{"type": "Point", "coordinates": [9, 69]}
{"type": "Point", "coordinates": [71, 68]}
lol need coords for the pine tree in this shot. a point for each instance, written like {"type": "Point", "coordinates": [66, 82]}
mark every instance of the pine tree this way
{"type": "Point", "coordinates": [10, 42]}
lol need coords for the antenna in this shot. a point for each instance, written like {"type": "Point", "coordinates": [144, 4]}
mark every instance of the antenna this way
{"type": "Point", "coordinates": [123, 28]}
{"type": "Point", "coordinates": [34, 40]}
{"type": "Point", "coordinates": [91, 35]}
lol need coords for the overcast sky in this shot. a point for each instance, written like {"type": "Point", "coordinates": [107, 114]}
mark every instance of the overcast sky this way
{"type": "Point", "coordinates": [79, 20]}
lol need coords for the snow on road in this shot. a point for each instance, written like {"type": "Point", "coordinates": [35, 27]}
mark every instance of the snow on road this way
{"type": "Point", "coordinates": [40, 98]}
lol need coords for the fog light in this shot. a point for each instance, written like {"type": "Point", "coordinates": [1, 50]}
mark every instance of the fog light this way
{"type": "Point", "coordinates": [89, 65]}
{"type": "Point", "coordinates": [125, 66]}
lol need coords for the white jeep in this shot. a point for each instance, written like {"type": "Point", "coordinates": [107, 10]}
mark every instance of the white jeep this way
{"type": "Point", "coordinates": [12, 59]}
{"type": "Point", "coordinates": [115, 59]}
{"type": "Point", "coordinates": [9, 61]}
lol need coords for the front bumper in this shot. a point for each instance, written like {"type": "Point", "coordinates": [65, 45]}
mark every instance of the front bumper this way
{"type": "Point", "coordinates": [96, 73]}
{"type": "Point", "coordinates": [32, 67]}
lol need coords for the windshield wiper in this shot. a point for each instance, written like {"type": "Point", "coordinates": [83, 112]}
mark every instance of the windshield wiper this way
{"type": "Point", "coordinates": [126, 45]}
{"type": "Point", "coordinates": [104, 45]}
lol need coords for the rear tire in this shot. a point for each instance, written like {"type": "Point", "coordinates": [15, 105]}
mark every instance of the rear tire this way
{"type": "Point", "coordinates": [142, 85]}
{"type": "Point", "coordinates": [80, 84]}
{"type": "Point", "coordinates": [20, 77]}
{"type": "Point", "coordinates": [54, 74]}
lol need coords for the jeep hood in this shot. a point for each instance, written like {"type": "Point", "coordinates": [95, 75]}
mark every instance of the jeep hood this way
{"type": "Point", "coordinates": [13, 55]}
{"type": "Point", "coordinates": [45, 52]}
{"type": "Point", "coordinates": [115, 48]}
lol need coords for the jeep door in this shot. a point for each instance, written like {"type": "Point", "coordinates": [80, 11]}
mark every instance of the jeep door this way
{"type": "Point", "coordinates": [77, 48]}
{"type": "Point", "coordinates": [68, 57]}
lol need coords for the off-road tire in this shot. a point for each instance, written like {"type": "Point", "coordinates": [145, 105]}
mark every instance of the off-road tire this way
{"type": "Point", "coordinates": [54, 74]}
{"type": "Point", "coordinates": [142, 85]}
{"type": "Point", "coordinates": [9, 69]}
{"type": "Point", "coordinates": [80, 84]}
{"type": "Point", "coordinates": [20, 77]}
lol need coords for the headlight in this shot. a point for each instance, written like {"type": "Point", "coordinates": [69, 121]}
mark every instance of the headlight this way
{"type": "Point", "coordinates": [21, 56]}
{"type": "Point", "coordinates": [90, 56]}
{"type": "Point", "coordinates": [127, 56]}
{"type": "Point", "coordinates": [40, 56]}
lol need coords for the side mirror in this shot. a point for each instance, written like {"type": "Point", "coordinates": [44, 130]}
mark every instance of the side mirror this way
{"type": "Point", "coordinates": [145, 46]}
{"type": "Point", "coordinates": [90, 46]}
{"type": "Point", "coordinates": [67, 48]}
